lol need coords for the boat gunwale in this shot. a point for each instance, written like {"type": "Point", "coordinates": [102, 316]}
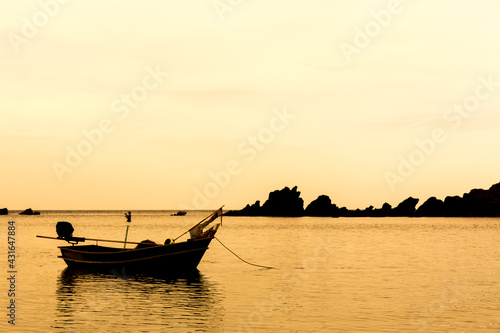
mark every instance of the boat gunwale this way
{"type": "Point", "coordinates": [131, 260]}
{"type": "Point", "coordinates": [120, 250]}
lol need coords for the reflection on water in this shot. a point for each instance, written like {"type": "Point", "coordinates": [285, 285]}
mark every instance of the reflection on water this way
{"type": "Point", "coordinates": [332, 275]}
{"type": "Point", "coordinates": [87, 299]}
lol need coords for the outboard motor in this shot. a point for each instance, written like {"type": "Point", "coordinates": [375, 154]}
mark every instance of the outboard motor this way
{"type": "Point", "coordinates": [64, 230]}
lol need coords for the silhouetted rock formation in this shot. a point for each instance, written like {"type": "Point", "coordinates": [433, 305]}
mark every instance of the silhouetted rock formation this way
{"type": "Point", "coordinates": [406, 208]}
{"type": "Point", "coordinates": [433, 207]}
{"type": "Point", "coordinates": [322, 206]}
{"type": "Point", "coordinates": [476, 203]}
{"type": "Point", "coordinates": [453, 206]}
{"type": "Point", "coordinates": [286, 202]}
{"type": "Point", "coordinates": [384, 211]}
{"type": "Point", "coordinates": [249, 210]}
{"type": "Point", "coordinates": [29, 211]}
{"type": "Point", "coordinates": [4, 211]}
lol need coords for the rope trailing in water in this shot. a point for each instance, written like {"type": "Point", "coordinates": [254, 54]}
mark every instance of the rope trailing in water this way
{"type": "Point", "coordinates": [267, 267]}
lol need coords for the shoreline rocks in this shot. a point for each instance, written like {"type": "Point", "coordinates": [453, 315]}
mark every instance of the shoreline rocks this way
{"type": "Point", "coordinates": [29, 211]}
{"type": "Point", "coordinates": [284, 203]}
{"type": "Point", "coordinates": [287, 203]}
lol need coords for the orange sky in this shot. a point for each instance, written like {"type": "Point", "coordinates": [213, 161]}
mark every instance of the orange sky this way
{"type": "Point", "coordinates": [170, 105]}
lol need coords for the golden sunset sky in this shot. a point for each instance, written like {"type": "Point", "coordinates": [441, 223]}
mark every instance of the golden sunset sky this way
{"type": "Point", "coordinates": [197, 104]}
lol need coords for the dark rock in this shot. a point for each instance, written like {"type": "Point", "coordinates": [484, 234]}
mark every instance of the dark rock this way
{"type": "Point", "coordinates": [322, 206]}
{"type": "Point", "coordinates": [406, 208]}
{"type": "Point", "coordinates": [476, 203]}
{"type": "Point", "coordinates": [29, 211]}
{"type": "Point", "coordinates": [249, 210]}
{"type": "Point", "coordinates": [4, 211]}
{"type": "Point", "coordinates": [286, 203]}
{"type": "Point", "coordinates": [386, 209]}
{"type": "Point", "coordinates": [453, 207]}
{"type": "Point", "coordinates": [343, 212]}
{"type": "Point", "coordinates": [481, 203]}
{"type": "Point", "coordinates": [433, 207]}
{"type": "Point", "coordinates": [368, 211]}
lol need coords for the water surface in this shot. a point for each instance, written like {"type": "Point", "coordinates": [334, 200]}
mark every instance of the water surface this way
{"type": "Point", "coordinates": [331, 275]}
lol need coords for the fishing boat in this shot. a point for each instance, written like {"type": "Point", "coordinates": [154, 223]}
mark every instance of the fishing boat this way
{"type": "Point", "coordinates": [147, 256]}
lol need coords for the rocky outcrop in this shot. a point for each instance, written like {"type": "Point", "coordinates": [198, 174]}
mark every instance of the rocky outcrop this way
{"type": "Point", "coordinates": [4, 211]}
{"type": "Point", "coordinates": [476, 203]}
{"type": "Point", "coordinates": [322, 206]}
{"type": "Point", "coordinates": [287, 202]}
{"type": "Point", "coordinates": [29, 211]}
{"type": "Point", "coordinates": [249, 210]}
{"type": "Point", "coordinates": [406, 208]}
{"type": "Point", "coordinates": [384, 211]}
{"type": "Point", "coordinates": [433, 207]}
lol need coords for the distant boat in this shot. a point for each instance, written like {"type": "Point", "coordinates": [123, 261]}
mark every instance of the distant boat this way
{"type": "Point", "coordinates": [180, 213]}
{"type": "Point", "coordinates": [29, 211]}
{"type": "Point", "coordinates": [147, 256]}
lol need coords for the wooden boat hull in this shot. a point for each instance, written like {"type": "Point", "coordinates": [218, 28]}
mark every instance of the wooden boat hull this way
{"type": "Point", "coordinates": [166, 259]}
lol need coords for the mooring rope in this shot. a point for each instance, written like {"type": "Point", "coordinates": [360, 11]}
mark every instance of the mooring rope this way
{"type": "Point", "coordinates": [249, 263]}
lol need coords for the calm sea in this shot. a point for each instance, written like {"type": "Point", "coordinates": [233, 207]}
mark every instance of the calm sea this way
{"type": "Point", "coordinates": [330, 275]}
